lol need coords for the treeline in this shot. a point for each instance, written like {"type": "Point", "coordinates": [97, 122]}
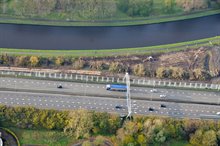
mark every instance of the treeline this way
{"type": "Point", "coordinates": [141, 130]}
{"type": "Point", "coordinates": [99, 9]}
{"type": "Point", "coordinates": [112, 66]}
{"type": "Point", "coordinates": [83, 8]}
{"type": "Point", "coordinates": [76, 123]}
{"type": "Point", "coordinates": [157, 131]}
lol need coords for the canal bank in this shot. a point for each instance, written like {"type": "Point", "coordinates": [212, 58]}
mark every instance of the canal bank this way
{"type": "Point", "coordinates": [6, 19]}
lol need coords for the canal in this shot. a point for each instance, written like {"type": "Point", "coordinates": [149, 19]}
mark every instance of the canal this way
{"type": "Point", "coordinates": [77, 38]}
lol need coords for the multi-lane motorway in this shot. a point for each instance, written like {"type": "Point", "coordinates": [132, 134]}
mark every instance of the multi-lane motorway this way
{"type": "Point", "coordinates": [62, 102]}
{"type": "Point", "coordinates": [95, 97]}
{"type": "Point", "coordinates": [99, 90]}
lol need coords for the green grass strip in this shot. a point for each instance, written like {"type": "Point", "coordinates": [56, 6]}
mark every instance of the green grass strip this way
{"type": "Point", "coordinates": [115, 52]}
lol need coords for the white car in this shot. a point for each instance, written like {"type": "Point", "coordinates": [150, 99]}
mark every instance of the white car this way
{"type": "Point", "coordinates": [163, 96]}
{"type": "Point", "coordinates": [153, 90]}
{"type": "Point", "coordinates": [218, 113]}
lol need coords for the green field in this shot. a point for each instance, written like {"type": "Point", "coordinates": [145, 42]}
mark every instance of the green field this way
{"type": "Point", "coordinates": [55, 138]}
{"type": "Point", "coordinates": [115, 52]}
{"type": "Point", "coordinates": [42, 137]}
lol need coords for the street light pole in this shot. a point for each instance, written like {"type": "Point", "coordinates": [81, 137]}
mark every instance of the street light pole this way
{"type": "Point", "coordinates": [128, 94]}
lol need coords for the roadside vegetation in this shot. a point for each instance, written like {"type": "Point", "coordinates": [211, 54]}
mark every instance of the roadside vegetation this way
{"type": "Point", "coordinates": [213, 41]}
{"type": "Point", "coordinates": [193, 63]}
{"type": "Point", "coordinates": [110, 12]}
{"type": "Point", "coordinates": [87, 127]}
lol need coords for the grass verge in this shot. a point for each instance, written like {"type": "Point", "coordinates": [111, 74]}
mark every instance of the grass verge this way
{"type": "Point", "coordinates": [42, 137]}
{"type": "Point", "coordinates": [115, 52]}
{"type": "Point", "coordinates": [122, 22]}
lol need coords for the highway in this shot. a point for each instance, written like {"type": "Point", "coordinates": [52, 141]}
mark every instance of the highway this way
{"type": "Point", "coordinates": [66, 102]}
{"type": "Point", "coordinates": [87, 89]}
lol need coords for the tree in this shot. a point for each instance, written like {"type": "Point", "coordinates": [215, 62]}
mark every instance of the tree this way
{"type": "Point", "coordinates": [98, 65]}
{"type": "Point", "coordinates": [139, 70]}
{"type": "Point", "coordinates": [116, 67]}
{"type": "Point", "coordinates": [101, 123]}
{"type": "Point", "coordinates": [34, 60]}
{"type": "Point", "coordinates": [59, 61]}
{"type": "Point", "coordinates": [139, 7]}
{"type": "Point", "coordinates": [218, 135]}
{"type": "Point", "coordinates": [190, 126]}
{"type": "Point", "coordinates": [136, 7]}
{"type": "Point", "coordinates": [5, 59]}
{"type": "Point", "coordinates": [209, 138]}
{"type": "Point", "coordinates": [160, 72]}
{"type": "Point", "coordinates": [21, 61]}
{"type": "Point", "coordinates": [79, 64]}
{"type": "Point", "coordinates": [123, 5]}
{"type": "Point", "coordinates": [196, 139]}
{"type": "Point", "coordinates": [169, 6]}
{"type": "Point", "coordinates": [141, 139]}
{"type": "Point", "coordinates": [129, 140]}
{"type": "Point", "coordinates": [200, 74]}
{"type": "Point", "coordinates": [189, 5]}
{"type": "Point", "coordinates": [160, 136]}
{"type": "Point", "coordinates": [34, 7]}
{"type": "Point", "coordinates": [79, 123]}
{"type": "Point", "coordinates": [177, 72]}
{"type": "Point", "coordinates": [65, 5]}
{"type": "Point", "coordinates": [91, 9]}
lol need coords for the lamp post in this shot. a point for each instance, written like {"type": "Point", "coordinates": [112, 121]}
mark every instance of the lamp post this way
{"type": "Point", "coordinates": [127, 78]}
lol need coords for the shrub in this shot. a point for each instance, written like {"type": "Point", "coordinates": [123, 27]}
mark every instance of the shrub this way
{"type": "Point", "coordinates": [34, 61]}
{"type": "Point", "coordinates": [116, 67]}
{"type": "Point", "coordinates": [79, 64]}
{"type": "Point", "coordinates": [139, 70]}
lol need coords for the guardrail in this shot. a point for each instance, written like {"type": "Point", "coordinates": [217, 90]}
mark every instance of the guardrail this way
{"type": "Point", "coordinates": [104, 79]}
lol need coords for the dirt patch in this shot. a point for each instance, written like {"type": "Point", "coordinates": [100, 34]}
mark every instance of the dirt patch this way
{"type": "Point", "coordinates": [93, 141]}
{"type": "Point", "coordinates": [190, 59]}
{"type": "Point", "coordinates": [33, 145]}
{"type": "Point", "coordinates": [204, 58]}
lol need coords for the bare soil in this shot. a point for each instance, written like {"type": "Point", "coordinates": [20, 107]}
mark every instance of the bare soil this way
{"type": "Point", "coordinates": [205, 58]}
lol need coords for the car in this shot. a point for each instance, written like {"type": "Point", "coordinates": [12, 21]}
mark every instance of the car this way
{"type": "Point", "coordinates": [163, 105]}
{"type": "Point", "coordinates": [118, 107]}
{"type": "Point", "coordinates": [163, 96]}
{"type": "Point", "coordinates": [218, 113]}
{"type": "Point", "coordinates": [59, 86]}
{"type": "Point", "coordinates": [153, 90]}
{"type": "Point", "coordinates": [150, 109]}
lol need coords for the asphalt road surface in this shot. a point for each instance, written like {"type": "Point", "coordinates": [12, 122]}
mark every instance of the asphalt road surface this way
{"type": "Point", "coordinates": [67, 102]}
{"type": "Point", "coordinates": [99, 90]}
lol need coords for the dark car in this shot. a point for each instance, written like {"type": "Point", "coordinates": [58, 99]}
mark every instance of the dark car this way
{"type": "Point", "coordinates": [118, 107]}
{"type": "Point", "coordinates": [59, 86]}
{"type": "Point", "coordinates": [151, 109]}
{"type": "Point", "coordinates": [163, 105]}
